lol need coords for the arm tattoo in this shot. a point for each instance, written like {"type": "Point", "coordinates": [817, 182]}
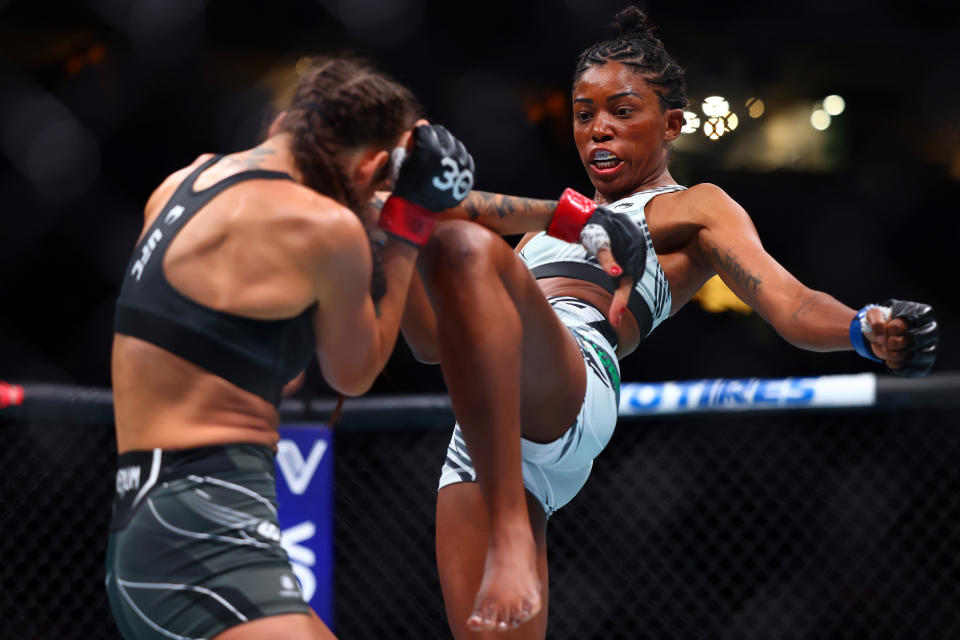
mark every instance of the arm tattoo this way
{"type": "Point", "coordinates": [482, 203]}
{"type": "Point", "coordinates": [377, 203]}
{"type": "Point", "coordinates": [749, 281]}
{"type": "Point", "coordinates": [370, 212]}
{"type": "Point", "coordinates": [804, 308]}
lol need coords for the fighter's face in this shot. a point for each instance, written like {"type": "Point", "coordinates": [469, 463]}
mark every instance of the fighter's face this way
{"type": "Point", "coordinates": [620, 129]}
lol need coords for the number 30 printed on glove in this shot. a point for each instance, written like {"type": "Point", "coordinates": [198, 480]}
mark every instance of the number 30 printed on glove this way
{"type": "Point", "coordinates": [436, 174]}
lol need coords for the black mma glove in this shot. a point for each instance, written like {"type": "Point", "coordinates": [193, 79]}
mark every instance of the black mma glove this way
{"type": "Point", "coordinates": [922, 332]}
{"type": "Point", "coordinates": [579, 219]}
{"type": "Point", "coordinates": [436, 174]}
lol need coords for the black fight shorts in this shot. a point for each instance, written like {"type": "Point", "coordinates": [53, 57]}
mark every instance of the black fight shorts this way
{"type": "Point", "coordinates": [194, 545]}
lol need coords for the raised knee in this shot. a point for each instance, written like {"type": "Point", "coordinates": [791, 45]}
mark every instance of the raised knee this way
{"type": "Point", "coordinates": [457, 246]}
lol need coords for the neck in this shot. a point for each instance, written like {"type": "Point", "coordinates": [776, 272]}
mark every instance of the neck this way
{"type": "Point", "coordinates": [277, 149]}
{"type": "Point", "coordinates": [662, 179]}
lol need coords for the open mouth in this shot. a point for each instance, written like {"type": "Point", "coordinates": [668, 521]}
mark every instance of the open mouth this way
{"type": "Point", "coordinates": [604, 160]}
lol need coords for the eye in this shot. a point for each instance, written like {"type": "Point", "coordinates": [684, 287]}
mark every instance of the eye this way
{"type": "Point", "coordinates": [624, 112]}
{"type": "Point", "coordinates": [582, 116]}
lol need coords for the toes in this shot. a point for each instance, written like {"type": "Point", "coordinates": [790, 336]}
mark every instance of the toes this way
{"type": "Point", "coordinates": [524, 614]}
{"type": "Point", "coordinates": [474, 622]}
{"type": "Point", "coordinates": [482, 621]}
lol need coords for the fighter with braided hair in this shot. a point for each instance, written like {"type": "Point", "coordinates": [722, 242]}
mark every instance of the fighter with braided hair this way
{"type": "Point", "coordinates": [529, 342]}
{"type": "Point", "coordinates": [248, 265]}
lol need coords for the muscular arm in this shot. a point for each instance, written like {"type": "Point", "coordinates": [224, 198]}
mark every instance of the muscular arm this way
{"type": "Point", "coordinates": [507, 215]}
{"type": "Point", "coordinates": [354, 341]}
{"type": "Point", "coordinates": [730, 246]}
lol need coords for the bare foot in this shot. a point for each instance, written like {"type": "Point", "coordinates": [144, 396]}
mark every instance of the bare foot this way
{"type": "Point", "coordinates": [510, 592]}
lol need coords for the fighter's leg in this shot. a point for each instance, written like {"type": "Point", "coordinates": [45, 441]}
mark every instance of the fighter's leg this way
{"type": "Point", "coordinates": [462, 540]}
{"type": "Point", "coordinates": [498, 339]}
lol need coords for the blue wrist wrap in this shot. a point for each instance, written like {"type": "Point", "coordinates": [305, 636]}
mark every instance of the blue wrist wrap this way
{"type": "Point", "coordinates": [857, 339]}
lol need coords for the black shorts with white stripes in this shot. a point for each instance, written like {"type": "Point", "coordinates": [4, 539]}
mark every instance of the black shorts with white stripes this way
{"type": "Point", "coordinates": [194, 545]}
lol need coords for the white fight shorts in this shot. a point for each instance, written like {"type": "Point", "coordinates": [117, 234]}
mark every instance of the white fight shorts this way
{"type": "Point", "coordinates": [555, 471]}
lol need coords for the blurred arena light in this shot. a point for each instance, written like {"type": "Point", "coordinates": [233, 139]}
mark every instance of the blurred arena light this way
{"type": "Point", "coordinates": [834, 105]}
{"type": "Point", "coordinates": [715, 107]}
{"type": "Point", "coordinates": [691, 122]}
{"type": "Point", "coordinates": [46, 143]}
{"type": "Point", "coordinates": [819, 119]}
{"type": "Point", "coordinates": [714, 128]}
{"type": "Point", "coordinates": [720, 119]}
{"type": "Point", "coordinates": [161, 31]}
{"type": "Point", "coordinates": [755, 107]}
{"type": "Point", "coordinates": [384, 22]}
{"type": "Point", "coordinates": [716, 297]}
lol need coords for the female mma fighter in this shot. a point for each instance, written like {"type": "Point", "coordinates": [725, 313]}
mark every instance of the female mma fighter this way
{"type": "Point", "coordinates": [248, 265]}
{"type": "Point", "coordinates": [528, 356]}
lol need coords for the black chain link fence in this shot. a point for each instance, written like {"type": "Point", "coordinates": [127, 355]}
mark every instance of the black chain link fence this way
{"type": "Point", "coordinates": [783, 526]}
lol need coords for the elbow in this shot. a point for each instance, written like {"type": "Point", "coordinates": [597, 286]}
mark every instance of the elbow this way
{"type": "Point", "coordinates": [351, 387]}
{"type": "Point", "coordinates": [349, 381]}
{"type": "Point", "coordinates": [422, 342]}
{"type": "Point", "coordinates": [425, 354]}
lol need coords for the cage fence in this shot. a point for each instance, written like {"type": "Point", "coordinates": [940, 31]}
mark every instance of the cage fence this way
{"type": "Point", "coordinates": [820, 524]}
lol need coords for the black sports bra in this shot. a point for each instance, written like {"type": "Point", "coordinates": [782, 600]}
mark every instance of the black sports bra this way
{"type": "Point", "coordinates": [257, 355]}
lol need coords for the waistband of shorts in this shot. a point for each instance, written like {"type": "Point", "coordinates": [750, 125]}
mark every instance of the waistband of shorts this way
{"type": "Point", "coordinates": [167, 464]}
{"type": "Point", "coordinates": [601, 325]}
{"type": "Point", "coordinates": [140, 472]}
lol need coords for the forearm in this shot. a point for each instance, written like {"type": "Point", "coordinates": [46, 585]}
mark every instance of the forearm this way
{"type": "Point", "coordinates": [356, 337]}
{"type": "Point", "coordinates": [507, 215]}
{"type": "Point", "coordinates": [398, 260]}
{"type": "Point", "coordinates": [419, 324]}
{"type": "Point", "coordinates": [814, 321]}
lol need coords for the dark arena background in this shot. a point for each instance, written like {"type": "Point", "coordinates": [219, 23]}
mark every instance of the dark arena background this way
{"type": "Point", "coordinates": [836, 124]}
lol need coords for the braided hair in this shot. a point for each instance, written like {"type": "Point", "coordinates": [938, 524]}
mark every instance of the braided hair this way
{"type": "Point", "coordinates": [341, 104]}
{"type": "Point", "coordinates": [634, 45]}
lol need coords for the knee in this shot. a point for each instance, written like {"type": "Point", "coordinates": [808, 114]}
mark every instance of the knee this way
{"type": "Point", "coordinates": [457, 247]}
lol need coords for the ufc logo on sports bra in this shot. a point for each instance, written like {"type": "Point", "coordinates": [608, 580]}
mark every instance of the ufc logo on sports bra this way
{"type": "Point", "coordinates": [454, 178]}
{"type": "Point", "coordinates": [145, 252]}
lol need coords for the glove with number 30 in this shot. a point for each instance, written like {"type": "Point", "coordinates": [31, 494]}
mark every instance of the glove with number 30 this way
{"type": "Point", "coordinates": [436, 174]}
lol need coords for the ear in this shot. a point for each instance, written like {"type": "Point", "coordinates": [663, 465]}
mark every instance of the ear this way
{"type": "Point", "coordinates": [275, 125]}
{"type": "Point", "coordinates": [674, 123]}
{"type": "Point", "coordinates": [369, 165]}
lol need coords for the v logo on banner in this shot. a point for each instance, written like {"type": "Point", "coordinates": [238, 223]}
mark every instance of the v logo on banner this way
{"type": "Point", "coordinates": [296, 471]}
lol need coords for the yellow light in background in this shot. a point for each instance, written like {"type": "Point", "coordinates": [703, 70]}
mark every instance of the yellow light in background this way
{"type": "Point", "coordinates": [302, 65]}
{"type": "Point", "coordinates": [755, 107]}
{"type": "Point", "coordinates": [716, 297]}
{"type": "Point", "coordinates": [720, 120]}
{"type": "Point", "coordinates": [691, 122]}
{"type": "Point", "coordinates": [820, 119]}
{"type": "Point", "coordinates": [834, 105]}
{"type": "Point", "coordinates": [714, 127]}
{"type": "Point", "coordinates": [715, 107]}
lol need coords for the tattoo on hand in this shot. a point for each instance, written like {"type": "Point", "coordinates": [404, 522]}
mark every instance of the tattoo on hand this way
{"type": "Point", "coordinates": [749, 281]}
